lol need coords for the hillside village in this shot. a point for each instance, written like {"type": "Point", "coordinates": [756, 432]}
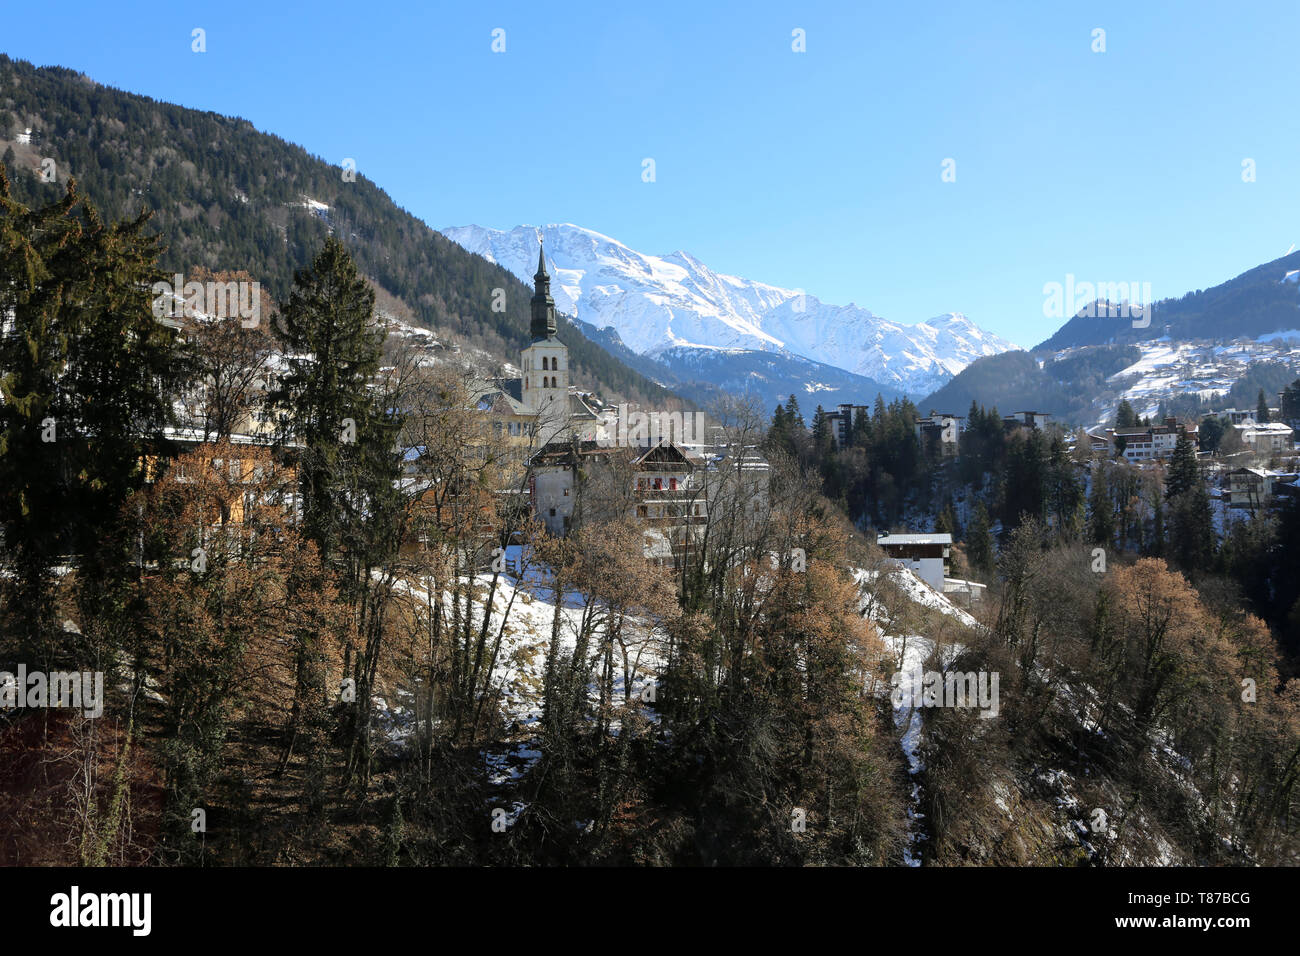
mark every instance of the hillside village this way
{"type": "Point", "coordinates": [564, 450]}
{"type": "Point", "coordinates": [373, 567]}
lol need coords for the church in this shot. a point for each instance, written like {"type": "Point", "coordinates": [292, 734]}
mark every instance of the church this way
{"type": "Point", "coordinates": [537, 408]}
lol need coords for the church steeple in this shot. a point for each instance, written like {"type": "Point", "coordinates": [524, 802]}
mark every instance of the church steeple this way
{"type": "Point", "coordinates": [543, 306]}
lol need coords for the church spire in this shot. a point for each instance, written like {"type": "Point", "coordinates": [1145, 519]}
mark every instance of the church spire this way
{"type": "Point", "coordinates": [542, 325]}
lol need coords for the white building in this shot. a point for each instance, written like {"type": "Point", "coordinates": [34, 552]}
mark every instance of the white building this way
{"type": "Point", "coordinates": [841, 422]}
{"type": "Point", "coordinates": [925, 555]}
{"type": "Point", "coordinates": [942, 429]}
{"type": "Point", "coordinates": [1266, 437]}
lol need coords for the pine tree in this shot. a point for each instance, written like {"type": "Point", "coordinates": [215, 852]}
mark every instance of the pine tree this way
{"type": "Point", "coordinates": [821, 435]}
{"type": "Point", "coordinates": [1261, 409]}
{"type": "Point", "coordinates": [87, 377]}
{"type": "Point", "coordinates": [793, 415]}
{"type": "Point", "coordinates": [1191, 529]}
{"type": "Point", "coordinates": [1125, 417]}
{"type": "Point", "coordinates": [332, 350]}
{"type": "Point", "coordinates": [979, 541]}
{"type": "Point", "coordinates": [1290, 409]}
{"type": "Point", "coordinates": [1184, 473]}
{"type": "Point", "coordinates": [946, 522]}
{"type": "Point", "coordinates": [1101, 508]}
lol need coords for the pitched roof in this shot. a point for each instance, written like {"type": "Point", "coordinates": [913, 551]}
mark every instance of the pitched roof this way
{"type": "Point", "coordinates": [914, 539]}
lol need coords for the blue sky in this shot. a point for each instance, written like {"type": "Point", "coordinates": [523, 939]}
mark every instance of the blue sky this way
{"type": "Point", "coordinates": [819, 170]}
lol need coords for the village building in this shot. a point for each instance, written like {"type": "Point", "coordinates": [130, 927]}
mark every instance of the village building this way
{"type": "Point", "coordinates": [667, 489]}
{"type": "Point", "coordinates": [925, 555]}
{"type": "Point", "coordinates": [1147, 442]}
{"type": "Point", "coordinates": [1266, 438]}
{"type": "Point", "coordinates": [1026, 420]}
{"type": "Point", "coordinates": [539, 406]}
{"type": "Point", "coordinates": [940, 431]}
{"type": "Point", "coordinates": [1249, 488]}
{"type": "Point", "coordinates": [841, 422]}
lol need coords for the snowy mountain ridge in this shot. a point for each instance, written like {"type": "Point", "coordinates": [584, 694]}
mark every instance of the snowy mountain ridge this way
{"type": "Point", "coordinates": [658, 303]}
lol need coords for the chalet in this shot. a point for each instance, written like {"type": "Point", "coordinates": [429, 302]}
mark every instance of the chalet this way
{"type": "Point", "coordinates": [925, 555]}
{"type": "Point", "coordinates": [963, 593]}
{"type": "Point", "coordinates": [1096, 444]}
{"type": "Point", "coordinates": [1249, 488]}
{"type": "Point", "coordinates": [665, 488]}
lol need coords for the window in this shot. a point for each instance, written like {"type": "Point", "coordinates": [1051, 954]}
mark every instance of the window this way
{"type": "Point", "coordinates": [672, 484]}
{"type": "Point", "coordinates": [566, 492]}
{"type": "Point", "coordinates": [552, 512]}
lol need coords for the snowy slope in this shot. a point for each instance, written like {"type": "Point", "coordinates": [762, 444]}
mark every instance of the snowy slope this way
{"type": "Point", "coordinates": [1168, 370]}
{"type": "Point", "coordinates": [657, 303]}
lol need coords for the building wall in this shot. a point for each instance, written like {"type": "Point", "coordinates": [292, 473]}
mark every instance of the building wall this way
{"type": "Point", "coordinates": [536, 395]}
{"type": "Point", "coordinates": [929, 570]}
{"type": "Point", "coordinates": [553, 491]}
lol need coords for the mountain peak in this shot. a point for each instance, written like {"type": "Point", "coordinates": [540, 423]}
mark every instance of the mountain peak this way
{"type": "Point", "coordinates": [675, 301]}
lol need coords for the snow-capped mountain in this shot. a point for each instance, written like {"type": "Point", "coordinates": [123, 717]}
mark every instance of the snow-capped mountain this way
{"type": "Point", "coordinates": [676, 302]}
{"type": "Point", "coordinates": [913, 358]}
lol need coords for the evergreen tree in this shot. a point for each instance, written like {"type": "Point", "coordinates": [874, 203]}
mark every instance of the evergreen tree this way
{"type": "Point", "coordinates": [332, 351]}
{"type": "Point", "coordinates": [946, 522]}
{"type": "Point", "coordinates": [87, 377]}
{"type": "Point", "coordinates": [1125, 417]}
{"type": "Point", "coordinates": [1024, 490]}
{"type": "Point", "coordinates": [1261, 409]}
{"type": "Point", "coordinates": [778, 433]}
{"type": "Point", "coordinates": [980, 549]}
{"type": "Point", "coordinates": [1211, 432]}
{"type": "Point", "coordinates": [821, 436]}
{"type": "Point", "coordinates": [1101, 507]}
{"type": "Point", "coordinates": [1184, 473]}
{"type": "Point", "coordinates": [1065, 497]}
{"type": "Point", "coordinates": [1191, 529]}
{"type": "Point", "coordinates": [1156, 546]}
{"type": "Point", "coordinates": [1290, 409]}
{"type": "Point", "coordinates": [794, 416]}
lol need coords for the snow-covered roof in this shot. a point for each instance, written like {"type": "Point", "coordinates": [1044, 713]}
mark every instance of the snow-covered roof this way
{"type": "Point", "coordinates": [914, 539]}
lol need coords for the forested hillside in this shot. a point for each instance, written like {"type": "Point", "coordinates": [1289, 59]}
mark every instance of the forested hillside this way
{"type": "Point", "coordinates": [1254, 303]}
{"type": "Point", "coordinates": [1012, 381]}
{"type": "Point", "coordinates": [228, 197]}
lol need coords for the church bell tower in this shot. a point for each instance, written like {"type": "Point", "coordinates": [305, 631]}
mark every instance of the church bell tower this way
{"type": "Point", "coordinates": [546, 360]}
